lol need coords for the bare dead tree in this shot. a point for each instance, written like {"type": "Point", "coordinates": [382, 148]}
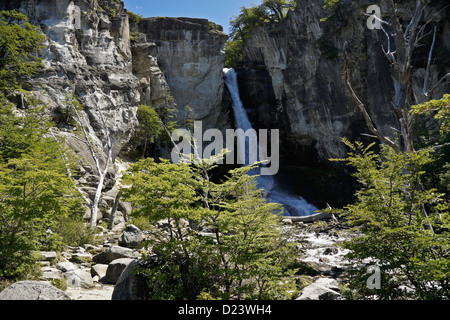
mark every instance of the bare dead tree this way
{"type": "Point", "coordinates": [405, 41]}
{"type": "Point", "coordinates": [93, 204]}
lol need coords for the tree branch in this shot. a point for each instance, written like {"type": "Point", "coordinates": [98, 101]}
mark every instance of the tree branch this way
{"type": "Point", "coordinates": [364, 112]}
{"type": "Point", "coordinates": [440, 83]}
{"type": "Point", "coordinates": [427, 75]}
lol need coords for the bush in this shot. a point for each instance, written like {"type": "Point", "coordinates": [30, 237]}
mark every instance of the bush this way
{"type": "Point", "coordinates": [245, 256]}
{"type": "Point", "coordinates": [74, 232]}
{"type": "Point", "coordinates": [400, 228]}
{"type": "Point", "coordinates": [34, 187]}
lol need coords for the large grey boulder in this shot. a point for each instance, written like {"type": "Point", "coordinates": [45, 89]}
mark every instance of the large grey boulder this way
{"type": "Point", "coordinates": [66, 266]}
{"type": "Point", "coordinates": [131, 237]}
{"type": "Point", "coordinates": [114, 253]}
{"type": "Point", "coordinates": [115, 269]}
{"type": "Point", "coordinates": [321, 289]}
{"type": "Point", "coordinates": [80, 278]}
{"type": "Point", "coordinates": [131, 285]}
{"type": "Point", "coordinates": [32, 290]}
{"type": "Point", "coordinates": [99, 270]}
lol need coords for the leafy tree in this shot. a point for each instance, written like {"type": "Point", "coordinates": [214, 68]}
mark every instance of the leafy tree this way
{"type": "Point", "coordinates": [441, 109]}
{"type": "Point", "coordinates": [35, 190]}
{"type": "Point", "coordinates": [19, 43]}
{"type": "Point", "coordinates": [432, 125]}
{"type": "Point", "coordinates": [150, 127]}
{"type": "Point", "coordinates": [391, 229]}
{"type": "Point", "coordinates": [269, 11]}
{"type": "Point", "coordinates": [76, 107]}
{"type": "Point", "coordinates": [243, 256]}
{"type": "Point", "coordinates": [233, 53]}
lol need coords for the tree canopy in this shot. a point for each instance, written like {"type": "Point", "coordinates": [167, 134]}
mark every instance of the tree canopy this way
{"type": "Point", "coordinates": [241, 26]}
{"type": "Point", "coordinates": [244, 256]}
{"type": "Point", "coordinates": [19, 43]}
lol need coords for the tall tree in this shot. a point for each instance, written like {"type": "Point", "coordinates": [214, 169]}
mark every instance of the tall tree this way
{"type": "Point", "coordinates": [391, 231]}
{"type": "Point", "coordinates": [105, 151]}
{"type": "Point", "coordinates": [244, 255]}
{"type": "Point", "coordinates": [34, 188]}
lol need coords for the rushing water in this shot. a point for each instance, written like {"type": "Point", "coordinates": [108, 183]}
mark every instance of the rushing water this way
{"type": "Point", "coordinates": [293, 205]}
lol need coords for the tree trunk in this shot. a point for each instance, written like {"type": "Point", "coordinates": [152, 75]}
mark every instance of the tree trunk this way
{"type": "Point", "coordinates": [113, 212]}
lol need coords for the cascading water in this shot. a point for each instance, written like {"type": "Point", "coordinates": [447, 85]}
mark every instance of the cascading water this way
{"type": "Point", "coordinates": [293, 205]}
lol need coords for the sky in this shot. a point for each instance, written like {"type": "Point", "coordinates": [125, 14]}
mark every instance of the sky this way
{"type": "Point", "coordinates": [220, 12]}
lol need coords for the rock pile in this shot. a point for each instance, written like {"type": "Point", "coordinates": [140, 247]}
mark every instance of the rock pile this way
{"type": "Point", "coordinates": [92, 271]}
{"type": "Point", "coordinates": [104, 272]}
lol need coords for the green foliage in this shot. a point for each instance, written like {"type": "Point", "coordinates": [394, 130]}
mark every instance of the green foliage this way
{"type": "Point", "coordinates": [74, 231]}
{"type": "Point", "coordinates": [233, 53]}
{"type": "Point", "coordinates": [150, 126]}
{"type": "Point", "coordinates": [331, 7]}
{"type": "Point", "coordinates": [34, 188]}
{"type": "Point", "coordinates": [156, 124]}
{"type": "Point", "coordinates": [397, 226]}
{"type": "Point", "coordinates": [431, 128]}
{"type": "Point", "coordinates": [441, 108]}
{"type": "Point", "coordinates": [20, 41]}
{"type": "Point", "coordinates": [331, 4]}
{"type": "Point", "coordinates": [133, 17]}
{"type": "Point", "coordinates": [243, 257]}
{"type": "Point", "coordinates": [269, 11]}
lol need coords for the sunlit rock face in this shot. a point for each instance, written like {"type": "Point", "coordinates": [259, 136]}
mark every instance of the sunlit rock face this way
{"type": "Point", "coordinates": [191, 54]}
{"type": "Point", "coordinates": [87, 52]}
{"type": "Point", "coordinates": [112, 66]}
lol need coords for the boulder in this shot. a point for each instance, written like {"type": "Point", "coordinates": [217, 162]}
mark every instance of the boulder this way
{"type": "Point", "coordinates": [80, 278]}
{"type": "Point", "coordinates": [99, 270]}
{"type": "Point", "coordinates": [115, 269]}
{"type": "Point", "coordinates": [32, 290]}
{"type": "Point", "coordinates": [47, 255]}
{"type": "Point", "coordinates": [66, 266]}
{"type": "Point", "coordinates": [49, 273]}
{"type": "Point", "coordinates": [132, 286]}
{"type": "Point", "coordinates": [131, 237]}
{"type": "Point", "coordinates": [114, 253]}
{"type": "Point", "coordinates": [321, 289]}
{"type": "Point", "coordinates": [81, 257]}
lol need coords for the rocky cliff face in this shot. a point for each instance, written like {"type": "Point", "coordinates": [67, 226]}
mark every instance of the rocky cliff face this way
{"type": "Point", "coordinates": [191, 54]}
{"type": "Point", "coordinates": [87, 52]}
{"type": "Point", "coordinates": [90, 51]}
{"type": "Point", "coordinates": [299, 62]}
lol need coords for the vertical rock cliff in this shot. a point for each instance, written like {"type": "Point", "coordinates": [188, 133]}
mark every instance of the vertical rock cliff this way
{"type": "Point", "coordinates": [299, 62]}
{"type": "Point", "coordinates": [91, 51]}
{"type": "Point", "coordinates": [87, 52]}
{"type": "Point", "coordinates": [191, 54]}
{"type": "Point", "coordinates": [292, 77]}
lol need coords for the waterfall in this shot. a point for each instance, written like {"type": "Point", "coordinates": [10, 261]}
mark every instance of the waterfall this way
{"type": "Point", "coordinates": [293, 205]}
